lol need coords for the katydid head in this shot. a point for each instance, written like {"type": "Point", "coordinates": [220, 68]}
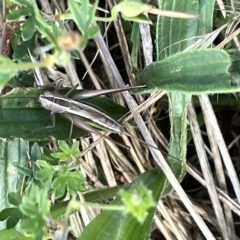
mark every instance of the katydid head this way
{"type": "Point", "coordinates": [54, 102]}
{"type": "Point", "coordinates": [46, 99]}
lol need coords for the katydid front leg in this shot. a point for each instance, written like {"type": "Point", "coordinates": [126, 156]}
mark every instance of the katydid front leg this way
{"type": "Point", "coordinates": [53, 120]}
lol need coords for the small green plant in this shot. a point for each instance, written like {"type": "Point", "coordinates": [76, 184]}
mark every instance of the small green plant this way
{"type": "Point", "coordinates": [35, 206]}
{"type": "Point", "coordinates": [81, 12]}
{"type": "Point", "coordinates": [60, 178]}
{"type": "Point", "coordinates": [67, 152]}
{"type": "Point", "coordinates": [137, 201]}
{"type": "Point", "coordinates": [32, 212]}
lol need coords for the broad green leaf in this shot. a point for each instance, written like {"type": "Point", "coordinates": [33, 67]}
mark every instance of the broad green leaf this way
{"type": "Point", "coordinates": [44, 175]}
{"type": "Point", "coordinates": [67, 152]}
{"type": "Point", "coordinates": [196, 71]}
{"type": "Point", "coordinates": [11, 215]}
{"type": "Point", "coordinates": [14, 198]}
{"type": "Point", "coordinates": [21, 114]}
{"type": "Point", "coordinates": [14, 15]}
{"type": "Point", "coordinates": [5, 213]}
{"type": "Point", "coordinates": [22, 79]}
{"type": "Point", "coordinates": [22, 49]}
{"type": "Point", "coordinates": [118, 225]}
{"type": "Point", "coordinates": [79, 15]}
{"type": "Point", "coordinates": [75, 149]}
{"type": "Point", "coordinates": [28, 206]}
{"type": "Point", "coordinates": [14, 219]}
{"type": "Point", "coordinates": [62, 156]}
{"type": "Point", "coordinates": [43, 202]}
{"type": "Point", "coordinates": [35, 228]}
{"type": "Point", "coordinates": [83, 16]}
{"type": "Point", "coordinates": [64, 146]}
{"type": "Point", "coordinates": [27, 3]}
{"type": "Point", "coordinates": [44, 164]}
{"type": "Point", "coordinates": [12, 234]}
{"type": "Point", "coordinates": [20, 52]}
{"type": "Point", "coordinates": [28, 29]}
{"type": "Point", "coordinates": [35, 154]}
{"type": "Point", "coordinates": [93, 32]}
{"type": "Point", "coordinates": [23, 169]}
{"type": "Point", "coordinates": [5, 78]}
{"type": "Point", "coordinates": [25, 226]}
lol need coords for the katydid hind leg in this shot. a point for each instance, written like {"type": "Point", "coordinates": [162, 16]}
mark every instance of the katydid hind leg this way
{"type": "Point", "coordinates": [141, 141]}
{"type": "Point", "coordinates": [166, 154]}
{"type": "Point", "coordinates": [80, 124]}
{"type": "Point", "coordinates": [95, 93]}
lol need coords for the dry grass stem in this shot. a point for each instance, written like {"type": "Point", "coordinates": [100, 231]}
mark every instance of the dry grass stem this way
{"type": "Point", "coordinates": [206, 170]}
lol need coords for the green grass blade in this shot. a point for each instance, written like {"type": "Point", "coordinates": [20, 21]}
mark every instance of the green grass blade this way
{"type": "Point", "coordinates": [11, 152]}
{"type": "Point", "coordinates": [173, 36]}
{"type": "Point", "coordinates": [118, 225]}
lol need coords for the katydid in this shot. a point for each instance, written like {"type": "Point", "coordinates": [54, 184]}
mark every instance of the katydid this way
{"type": "Point", "coordinates": [77, 112]}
